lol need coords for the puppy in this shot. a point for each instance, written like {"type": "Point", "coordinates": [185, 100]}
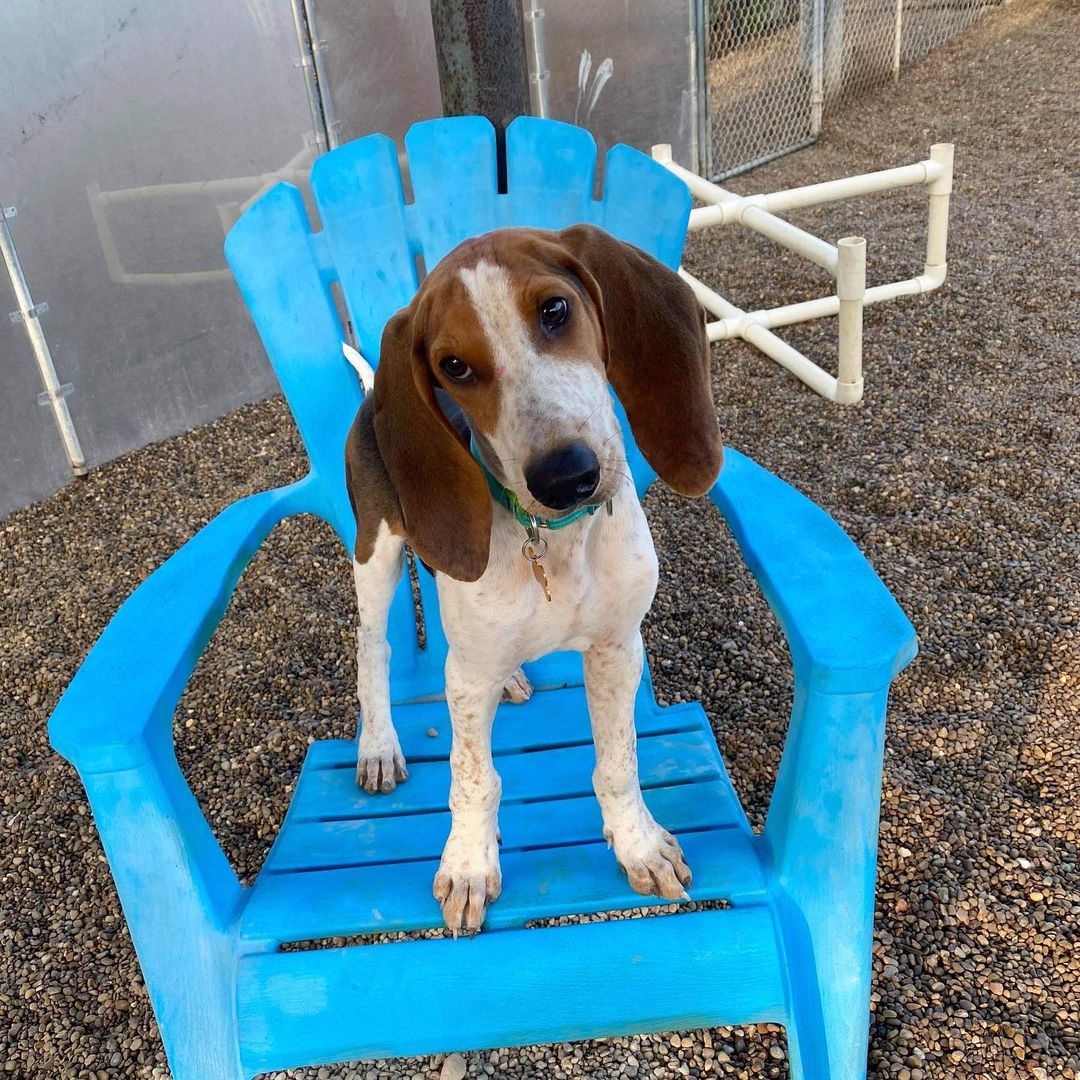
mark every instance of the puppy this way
{"type": "Point", "coordinates": [490, 444]}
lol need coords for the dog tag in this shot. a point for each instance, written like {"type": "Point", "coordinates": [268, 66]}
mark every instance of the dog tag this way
{"type": "Point", "coordinates": [541, 577]}
{"type": "Point", "coordinates": [534, 549]}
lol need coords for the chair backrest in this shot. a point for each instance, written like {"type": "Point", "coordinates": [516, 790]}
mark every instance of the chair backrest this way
{"type": "Point", "coordinates": [371, 239]}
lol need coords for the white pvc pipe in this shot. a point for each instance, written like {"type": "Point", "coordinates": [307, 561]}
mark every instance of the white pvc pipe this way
{"type": "Point", "coordinates": [782, 232]}
{"type": "Point", "coordinates": [710, 300]}
{"type": "Point", "coordinates": [847, 261]}
{"type": "Point", "coordinates": [790, 236]}
{"type": "Point", "coordinates": [725, 205]}
{"type": "Point", "coordinates": [821, 382]}
{"type": "Point", "coordinates": [848, 187]}
{"type": "Point", "coordinates": [40, 347]}
{"type": "Point", "coordinates": [704, 189]}
{"type": "Point", "coordinates": [850, 291]}
{"type": "Point", "coordinates": [821, 308]}
{"type": "Point", "coordinates": [937, 229]}
{"type": "Point", "coordinates": [728, 207]}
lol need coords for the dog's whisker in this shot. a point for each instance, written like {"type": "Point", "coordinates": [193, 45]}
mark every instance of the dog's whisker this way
{"type": "Point", "coordinates": [619, 472]}
{"type": "Point", "coordinates": [590, 416]}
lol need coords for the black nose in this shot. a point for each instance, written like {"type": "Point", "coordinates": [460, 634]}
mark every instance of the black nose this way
{"type": "Point", "coordinates": [565, 477]}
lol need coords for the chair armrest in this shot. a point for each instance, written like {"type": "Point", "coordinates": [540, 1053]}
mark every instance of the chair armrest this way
{"type": "Point", "coordinates": [846, 632]}
{"type": "Point", "coordinates": [848, 639]}
{"type": "Point", "coordinates": [122, 699]}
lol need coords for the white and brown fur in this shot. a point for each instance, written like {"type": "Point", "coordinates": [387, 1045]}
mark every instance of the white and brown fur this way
{"type": "Point", "coordinates": [632, 323]}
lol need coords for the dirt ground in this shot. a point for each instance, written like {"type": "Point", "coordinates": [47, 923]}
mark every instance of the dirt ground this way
{"type": "Point", "coordinates": [958, 476]}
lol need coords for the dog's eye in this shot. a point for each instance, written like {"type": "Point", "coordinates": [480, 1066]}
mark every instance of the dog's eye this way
{"type": "Point", "coordinates": [455, 368]}
{"type": "Point", "coordinates": [554, 312]}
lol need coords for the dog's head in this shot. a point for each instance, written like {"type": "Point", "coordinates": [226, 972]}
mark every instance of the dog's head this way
{"type": "Point", "coordinates": [523, 329]}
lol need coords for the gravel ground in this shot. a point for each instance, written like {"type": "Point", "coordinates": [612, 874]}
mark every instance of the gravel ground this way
{"type": "Point", "coordinates": [957, 476]}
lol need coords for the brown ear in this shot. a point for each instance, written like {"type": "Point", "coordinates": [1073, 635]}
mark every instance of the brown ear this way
{"type": "Point", "coordinates": [443, 495]}
{"type": "Point", "coordinates": [657, 357]}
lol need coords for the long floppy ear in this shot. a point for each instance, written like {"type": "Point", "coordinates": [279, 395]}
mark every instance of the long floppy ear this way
{"type": "Point", "coordinates": [657, 357]}
{"type": "Point", "coordinates": [444, 498]}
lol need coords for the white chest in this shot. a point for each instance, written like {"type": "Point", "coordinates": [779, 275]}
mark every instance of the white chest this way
{"type": "Point", "coordinates": [601, 573]}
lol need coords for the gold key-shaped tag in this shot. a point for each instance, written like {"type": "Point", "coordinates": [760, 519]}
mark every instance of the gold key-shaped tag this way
{"type": "Point", "coordinates": [541, 577]}
{"type": "Point", "coordinates": [534, 549]}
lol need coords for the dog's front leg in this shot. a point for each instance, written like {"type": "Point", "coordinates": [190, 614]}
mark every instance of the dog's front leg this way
{"type": "Point", "coordinates": [649, 854]}
{"type": "Point", "coordinates": [380, 764]}
{"type": "Point", "coordinates": [469, 877]}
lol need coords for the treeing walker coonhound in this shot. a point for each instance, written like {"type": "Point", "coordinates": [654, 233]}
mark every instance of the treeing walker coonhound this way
{"type": "Point", "coordinates": [490, 445]}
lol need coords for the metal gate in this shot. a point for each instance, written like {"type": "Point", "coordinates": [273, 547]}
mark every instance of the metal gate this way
{"type": "Point", "coordinates": [769, 68]}
{"type": "Point", "coordinates": [762, 80]}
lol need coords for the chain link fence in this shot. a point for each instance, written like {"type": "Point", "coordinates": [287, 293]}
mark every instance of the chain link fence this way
{"type": "Point", "coordinates": [771, 67]}
{"type": "Point", "coordinates": [760, 76]}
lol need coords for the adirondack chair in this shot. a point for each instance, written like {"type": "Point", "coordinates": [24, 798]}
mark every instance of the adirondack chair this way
{"type": "Point", "coordinates": [792, 947]}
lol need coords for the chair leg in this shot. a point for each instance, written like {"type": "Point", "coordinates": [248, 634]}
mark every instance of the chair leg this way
{"type": "Point", "coordinates": [822, 1045]}
{"type": "Point", "coordinates": [811, 1059]}
{"type": "Point", "coordinates": [180, 899]}
{"type": "Point", "coordinates": [822, 830]}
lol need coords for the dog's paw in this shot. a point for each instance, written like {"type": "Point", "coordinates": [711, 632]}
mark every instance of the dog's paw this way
{"type": "Point", "coordinates": [380, 765]}
{"type": "Point", "coordinates": [518, 689]}
{"type": "Point", "coordinates": [468, 880]}
{"type": "Point", "coordinates": [652, 860]}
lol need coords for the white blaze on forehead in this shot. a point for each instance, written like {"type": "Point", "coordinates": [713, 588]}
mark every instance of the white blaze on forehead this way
{"type": "Point", "coordinates": [492, 295]}
{"type": "Point", "coordinates": [543, 402]}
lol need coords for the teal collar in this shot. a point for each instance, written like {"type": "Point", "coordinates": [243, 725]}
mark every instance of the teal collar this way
{"type": "Point", "coordinates": [505, 497]}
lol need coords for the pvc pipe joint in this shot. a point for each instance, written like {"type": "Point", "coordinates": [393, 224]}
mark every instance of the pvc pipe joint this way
{"type": "Point", "coordinates": [851, 268]}
{"type": "Point", "coordinates": [846, 261]}
{"type": "Point", "coordinates": [937, 228]}
{"type": "Point", "coordinates": [941, 154]}
{"type": "Point", "coordinates": [851, 292]}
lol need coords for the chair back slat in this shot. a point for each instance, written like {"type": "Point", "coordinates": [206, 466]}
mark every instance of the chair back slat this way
{"type": "Point", "coordinates": [358, 191]}
{"type": "Point", "coordinates": [551, 171]}
{"type": "Point", "coordinates": [273, 259]}
{"type": "Point", "coordinates": [644, 204]}
{"type": "Point", "coordinates": [452, 166]}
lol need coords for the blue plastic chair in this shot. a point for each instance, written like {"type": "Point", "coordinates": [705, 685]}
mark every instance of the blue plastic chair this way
{"type": "Point", "coordinates": [792, 947]}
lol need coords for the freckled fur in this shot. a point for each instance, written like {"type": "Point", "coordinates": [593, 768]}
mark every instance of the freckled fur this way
{"type": "Point", "coordinates": [533, 395]}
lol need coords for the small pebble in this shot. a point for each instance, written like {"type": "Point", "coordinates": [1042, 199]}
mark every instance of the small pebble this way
{"type": "Point", "coordinates": [453, 1068]}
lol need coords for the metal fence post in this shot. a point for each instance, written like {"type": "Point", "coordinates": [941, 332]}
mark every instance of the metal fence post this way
{"type": "Point", "coordinates": [480, 48]}
{"type": "Point", "coordinates": [817, 66]}
{"type": "Point", "coordinates": [701, 148]}
{"type": "Point", "coordinates": [539, 76]}
{"type": "Point", "coordinates": [27, 313]}
{"type": "Point", "coordinates": [898, 38]}
{"type": "Point", "coordinates": [833, 48]}
{"type": "Point", "coordinates": [311, 63]}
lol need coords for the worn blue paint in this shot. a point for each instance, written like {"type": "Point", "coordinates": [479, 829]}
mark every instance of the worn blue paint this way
{"type": "Point", "coordinates": [794, 945]}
